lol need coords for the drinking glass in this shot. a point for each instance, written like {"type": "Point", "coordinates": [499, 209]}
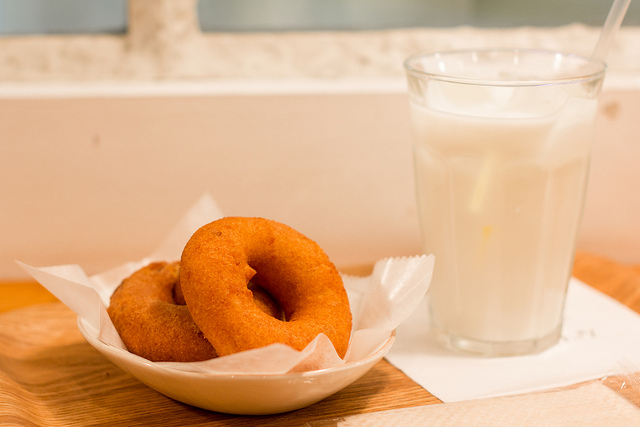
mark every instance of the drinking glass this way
{"type": "Point", "coordinates": [502, 144]}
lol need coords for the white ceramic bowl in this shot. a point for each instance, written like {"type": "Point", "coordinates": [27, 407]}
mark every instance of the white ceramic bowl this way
{"type": "Point", "coordinates": [238, 394]}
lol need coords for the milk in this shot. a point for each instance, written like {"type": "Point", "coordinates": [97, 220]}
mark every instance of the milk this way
{"type": "Point", "coordinates": [500, 192]}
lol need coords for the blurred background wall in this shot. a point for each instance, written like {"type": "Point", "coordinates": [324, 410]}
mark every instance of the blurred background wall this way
{"type": "Point", "coordinates": [116, 116]}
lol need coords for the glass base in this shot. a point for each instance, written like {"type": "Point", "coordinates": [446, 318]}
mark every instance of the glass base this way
{"type": "Point", "coordinates": [497, 349]}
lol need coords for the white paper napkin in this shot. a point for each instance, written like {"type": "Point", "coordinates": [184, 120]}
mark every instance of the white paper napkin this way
{"type": "Point", "coordinates": [598, 334]}
{"type": "Point", "coordinates": [591, 405]}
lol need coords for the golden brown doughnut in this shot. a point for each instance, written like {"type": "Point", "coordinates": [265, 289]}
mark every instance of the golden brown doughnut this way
{"type": "Point", "coordinates": [223, 256]}
{"type": "Point", "coordinates": [150, 315]}
{"type": "Point", "coordinates": [150, 323]}
{"type": "Point", "coordinates": [263, 300]}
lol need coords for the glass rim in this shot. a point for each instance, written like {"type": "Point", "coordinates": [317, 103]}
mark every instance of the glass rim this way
{"type": "Point", "coordinates": [600, 68]}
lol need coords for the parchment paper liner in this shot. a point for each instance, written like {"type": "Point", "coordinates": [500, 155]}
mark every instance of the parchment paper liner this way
{"type": "Point", "coordinates": [379, 303]}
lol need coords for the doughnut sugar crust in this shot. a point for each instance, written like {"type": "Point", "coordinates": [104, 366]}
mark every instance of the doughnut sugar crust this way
{"type": "Point", "coordinates": [151, 323]}
{"type": "Point", "coordinates": [223, 256]}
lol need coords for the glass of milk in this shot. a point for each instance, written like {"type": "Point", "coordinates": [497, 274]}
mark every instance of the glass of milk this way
{"type": "Point", "coordinates": [502, 142]}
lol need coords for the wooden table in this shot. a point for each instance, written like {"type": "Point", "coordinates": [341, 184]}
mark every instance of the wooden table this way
{"type": "Point", "coordinates": [49, 376]}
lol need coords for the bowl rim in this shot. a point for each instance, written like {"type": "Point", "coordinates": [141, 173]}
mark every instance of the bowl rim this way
{"type": "Point", "coordinates": [91, 337]}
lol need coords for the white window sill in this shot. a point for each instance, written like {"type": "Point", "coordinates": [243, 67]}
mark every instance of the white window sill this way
{"type": "Point", "coordinates": [194, 56]}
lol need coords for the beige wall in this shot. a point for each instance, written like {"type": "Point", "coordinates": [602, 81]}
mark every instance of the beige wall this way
{"type": "Point", "coordinates": [106, 140]}
{"type": "Point", "coordinates": [99, 180]}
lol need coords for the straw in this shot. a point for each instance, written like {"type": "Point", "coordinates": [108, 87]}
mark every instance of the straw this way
{"type": "Point", "coordinates": [610, 28]}
{"type": "Point", "coordinates": [482, 183]}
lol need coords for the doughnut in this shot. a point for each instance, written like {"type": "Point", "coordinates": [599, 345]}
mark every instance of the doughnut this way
{"type": "Point", "coordinates": [263, 300]}
{"type": "Point", "coordinates": [223, 256]}
{"type": "Point", "coordinates": [149, 312]}
{"type": "Point", "coordinates": [150, 323]}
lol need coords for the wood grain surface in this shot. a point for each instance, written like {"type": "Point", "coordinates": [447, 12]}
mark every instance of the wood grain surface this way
{"type": "Point", "coordinates": [49, 376]}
